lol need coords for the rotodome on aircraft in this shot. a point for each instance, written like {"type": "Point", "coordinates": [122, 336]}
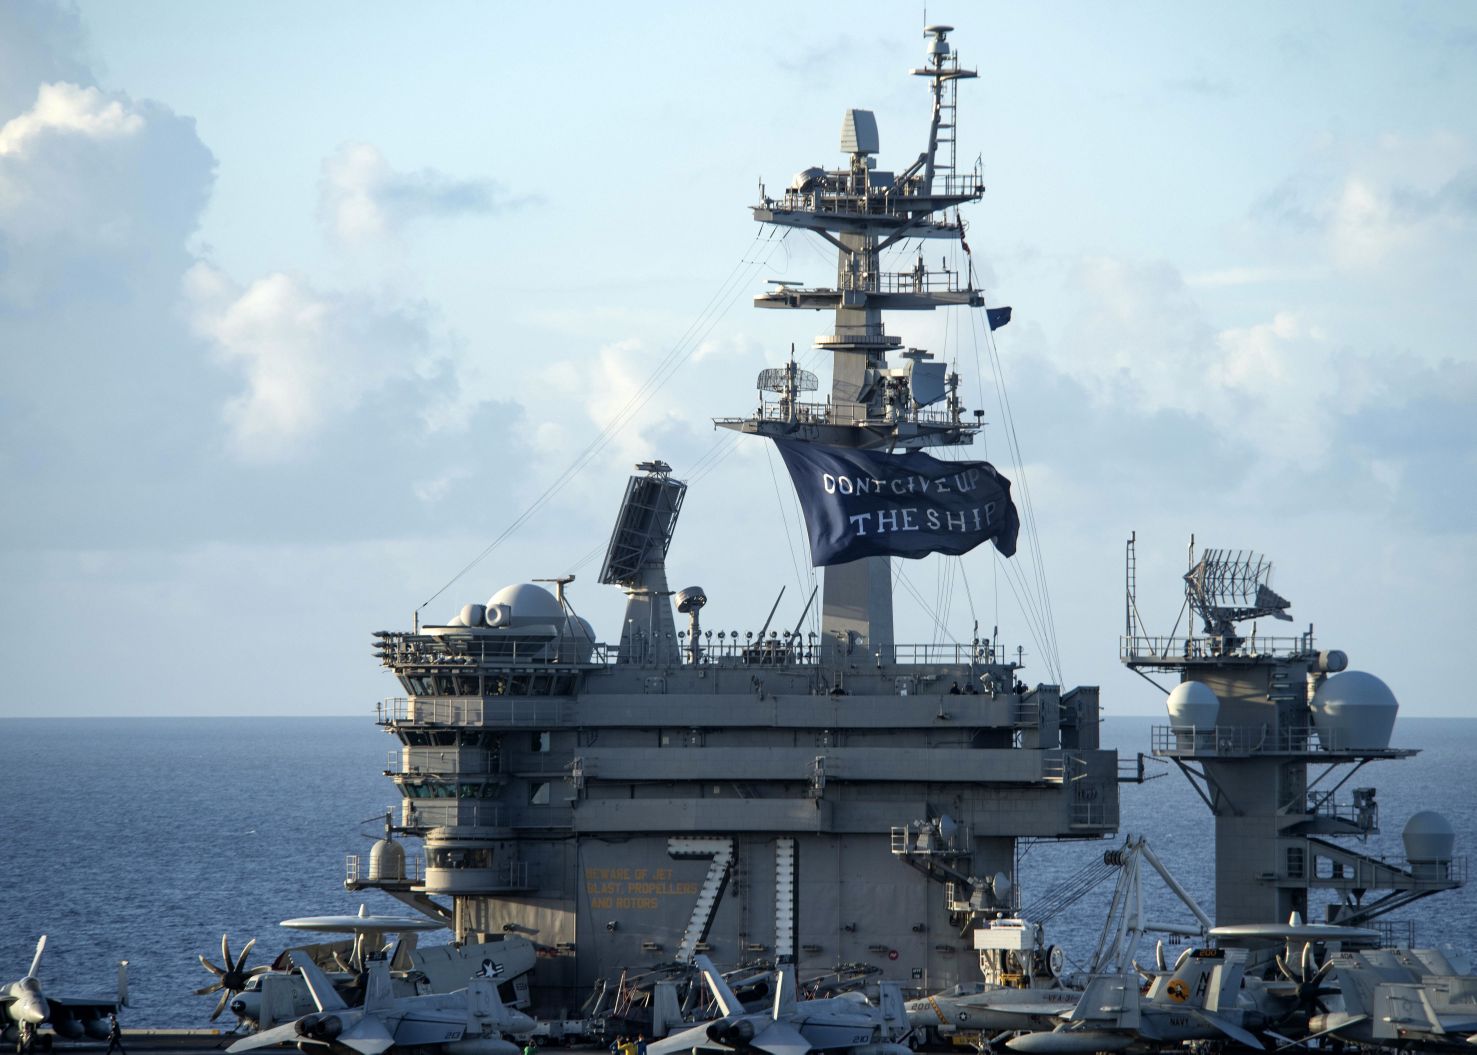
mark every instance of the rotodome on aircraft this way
{"type": "Point", "coordinates": [470, 1021]}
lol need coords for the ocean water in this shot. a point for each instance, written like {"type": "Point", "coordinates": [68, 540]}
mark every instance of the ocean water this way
{"type": "Point", "coordinates": [144, 839]}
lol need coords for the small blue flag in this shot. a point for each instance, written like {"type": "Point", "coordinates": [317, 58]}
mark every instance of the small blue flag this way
{"type": "Point", "coordinates": [998, 317]}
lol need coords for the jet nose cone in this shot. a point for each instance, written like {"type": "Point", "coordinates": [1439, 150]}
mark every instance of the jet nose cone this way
{"type": "Point", "coordinates": [29, 1009]}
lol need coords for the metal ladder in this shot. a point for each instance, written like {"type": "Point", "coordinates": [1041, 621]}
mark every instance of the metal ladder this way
{"type": "Point", "coordinates": [784, 897]}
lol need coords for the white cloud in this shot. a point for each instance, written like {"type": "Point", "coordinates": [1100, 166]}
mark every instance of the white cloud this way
{"type": "Point", "coordinates": [362, 200]}
{"type": "Point", "coordinates": [69, 109]}
{"type": "Point", "coordinates": [306, 357]}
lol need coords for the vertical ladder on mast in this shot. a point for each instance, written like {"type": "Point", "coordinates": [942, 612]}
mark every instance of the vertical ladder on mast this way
{"type": "Point", "coordinates": [948, 109]}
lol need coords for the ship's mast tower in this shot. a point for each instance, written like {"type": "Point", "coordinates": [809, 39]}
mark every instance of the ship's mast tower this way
{"type": "Point", "coordinates": [1270, 730]}
{"type": "Point", "coordinates": [862, 211]}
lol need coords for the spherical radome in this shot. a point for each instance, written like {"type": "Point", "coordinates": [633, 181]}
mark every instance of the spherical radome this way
{"type": "Point", "coordinates": [1193, 703]}
{"type": "Point", "coordinates": [1354, 711]}
{"type": "Point", "coordinates": [1428, 836]}
{"type": "Point", "coordinates": [529, 603]}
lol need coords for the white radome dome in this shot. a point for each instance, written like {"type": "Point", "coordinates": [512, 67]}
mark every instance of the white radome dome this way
{"type": "Point", "coordinates": [530, 604]}
{"type": "Point", "coordinates": [1428, 837]}
{"type": "Point", "coordinates": [1354, 711]}
{"type": "Point", "coordinates": [1193, 704]}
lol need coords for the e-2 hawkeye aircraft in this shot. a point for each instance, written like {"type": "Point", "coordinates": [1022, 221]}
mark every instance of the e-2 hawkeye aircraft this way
{"type": "Point", "coordinates": [470, 1021]}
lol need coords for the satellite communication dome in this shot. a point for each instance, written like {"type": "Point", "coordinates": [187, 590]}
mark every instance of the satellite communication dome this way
{"type": "Point", "coordinates": [1192, 704]}
{"type": "Point", "coordinates": [1354, 711]}
{"type": "Point", "coordinates": [530, 605]}
{"type": "Point", "coordinates": [386, 860]}
{"type": "Point", "coordinates": [1428, 837]}
{"type": "Point", "coordinates": [580, 635]}
{"type": "Point", "coordinates": [472, 614]}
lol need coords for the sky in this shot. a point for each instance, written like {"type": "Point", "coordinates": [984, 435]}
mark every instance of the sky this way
{"type": "Point", "coordinates": [303, 306]}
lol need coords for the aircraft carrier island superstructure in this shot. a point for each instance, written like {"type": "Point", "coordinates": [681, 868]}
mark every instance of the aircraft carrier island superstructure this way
{"type": "Point", "coordinates": [828, 799]}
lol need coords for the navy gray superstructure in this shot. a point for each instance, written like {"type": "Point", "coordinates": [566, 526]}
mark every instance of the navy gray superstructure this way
{"type": "Point", "coordinates": [840, 799]}
{"type": "Point", "coordinates": [1270, 730]}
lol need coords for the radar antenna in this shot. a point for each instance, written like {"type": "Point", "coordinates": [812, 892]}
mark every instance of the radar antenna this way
{"type": "Point", "coordinates": [1226, 587]}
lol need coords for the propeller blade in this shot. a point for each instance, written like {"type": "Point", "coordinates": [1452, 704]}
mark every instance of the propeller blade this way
{"type": "Point", "coordinates": [245, 951]}
{"type": "Point", "coordinates": [1159, 961]}
{"type": "Point", "coordinates": [1307, 963]}
{"type": "Point", "coordinates": [220, 1004]}
{"type": "Point", "coordinates": [1282, 967]}
{"type": "Point", "coordinates": [207, 990]}
{"type": "Point", "coordinates": [226, 951]}
{"type": "Point", "coordinates": [212, 968]}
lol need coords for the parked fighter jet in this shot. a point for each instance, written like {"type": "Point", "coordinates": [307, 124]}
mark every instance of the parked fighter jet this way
{"type": "Point", "coordinates": [470, 1021]}
{"type": "Point", "coordinates": [23, 1007]}
{"type": "Point", "coordinates": [1199, 1000]}
{"type": "Point", "coordinates": [992, 1009]}
{"type": "Point", "coordinates": [794, 1027]}
{"type": "Point", "coordinates": [1399, 998]}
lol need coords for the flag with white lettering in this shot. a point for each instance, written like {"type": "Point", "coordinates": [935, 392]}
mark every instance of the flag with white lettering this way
{"type": "Point", "coordinates": [873, 504]}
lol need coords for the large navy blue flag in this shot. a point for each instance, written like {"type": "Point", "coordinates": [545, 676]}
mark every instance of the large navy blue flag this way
{"type": "Point", "coordinates": [872, 504]}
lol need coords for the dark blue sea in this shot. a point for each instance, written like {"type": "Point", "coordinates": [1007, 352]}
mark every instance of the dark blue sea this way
{"type": "Point", "coordinates": [146, 838]}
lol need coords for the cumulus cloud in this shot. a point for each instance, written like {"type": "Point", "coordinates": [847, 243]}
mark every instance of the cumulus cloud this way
{"type": "Point", "coordinates": [91, 186]}
{"type": "Point", "coordinates": [69, 109]}
{"type": "Point", "coordinates": [40, 43]}
{"type": "Point", "coordinates": [1367, 203]}
{"type": "Point", "coordinates": [306, 356]}
{"type": "Point", "coordinates": [361, 199]}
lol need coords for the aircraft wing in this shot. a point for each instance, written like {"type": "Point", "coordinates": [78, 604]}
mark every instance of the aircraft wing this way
{"type": "Point", "coordinates": [780, 1038]}
{"type": "Point", "coordinates": [682, 1041]}
{"type": "Point", "coordinates": [430, 1026]}
{"type": "Point", "coordinates": [1235, 1032]}
{"type": "Point", "coordinates": [104, 1004]}
{"type": "Point", "coordinates": [370, 1036]}
{"type": "Point", "coordinates": [283, 1034]}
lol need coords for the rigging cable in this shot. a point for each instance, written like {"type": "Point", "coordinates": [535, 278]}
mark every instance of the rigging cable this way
{"type": "Point", "coordinates": [1042, 598]}
{"type": "Point", "coordinates": [717, 307]}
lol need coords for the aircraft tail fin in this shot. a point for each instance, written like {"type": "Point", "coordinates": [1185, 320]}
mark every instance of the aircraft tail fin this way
{"type": "Point", "coordinates": [666, 1011]}
{"type": "Point", "coordinates": [1108, 999]}
{"type": "Point", "coordinates": [727, 1002]}
{"type": "Point", "coordinates": [894, 1011]}
{"type": "Point", "coordinates": [322, 990]}
{"type": "Point", "coordinates": [379, 991]}
{"type": "Point", "coordinates": [122, 983]}
{"type": "Point", "coordinates": [784, 990]}
{"type": "Point", "coordinates": [36, 960]}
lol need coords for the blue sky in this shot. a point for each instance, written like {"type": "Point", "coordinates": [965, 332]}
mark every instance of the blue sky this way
{"type": "Point", "coordinates": [302, 305]}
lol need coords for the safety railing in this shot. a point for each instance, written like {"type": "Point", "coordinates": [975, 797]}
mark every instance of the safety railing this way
{"type": "Point", "coordinates": [1231, 741]}
{"type": "Point", "coordinates": [1148, 649]}
{"type": "Point", "coordinates": [356, 870]}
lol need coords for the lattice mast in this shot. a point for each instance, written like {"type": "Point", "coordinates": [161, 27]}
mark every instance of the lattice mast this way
{"type": "Point", "coordinates": [862, 211]}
